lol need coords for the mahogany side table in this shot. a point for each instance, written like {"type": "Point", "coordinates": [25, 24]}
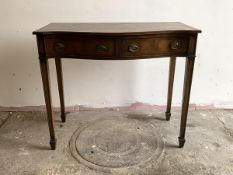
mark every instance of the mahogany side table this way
{"type": "Point", "coordinates": [117, 41]}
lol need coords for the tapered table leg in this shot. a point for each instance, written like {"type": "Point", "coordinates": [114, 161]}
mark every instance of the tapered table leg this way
{"type": "Point", "coordinates": [47, 94]}
{"type": "Point", "coordinates": [170, 86]}
{"type": "Point", "coordinates": [186, 94]}
{"type": "Point", "coordinates": [60, 87]}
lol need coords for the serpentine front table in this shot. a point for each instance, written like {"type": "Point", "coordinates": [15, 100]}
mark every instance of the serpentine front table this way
{"type": "Point", "coordinates": [117, 41]}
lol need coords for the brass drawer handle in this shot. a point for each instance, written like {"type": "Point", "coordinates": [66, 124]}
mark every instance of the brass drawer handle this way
{"type": "Point", "coordinates": [101, 48]}
{"type": "Point", "coordinates": [59, 46]}
{"type": "Point", "coordinates": [175, 45]}
{"type": "Point", "coordinates": [133, 47]}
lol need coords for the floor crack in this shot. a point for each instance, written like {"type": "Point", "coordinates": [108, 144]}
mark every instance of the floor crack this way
{"type": "Point", "coordinates": [227, 130]}
{"type": "Point", "coordinates": [5, 120]}
{"type": "Point", "coordinates": [221, 121]}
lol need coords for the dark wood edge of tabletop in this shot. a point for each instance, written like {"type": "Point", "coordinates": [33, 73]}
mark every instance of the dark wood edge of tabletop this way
{"type": "Point", "coordinates": [117, 34]}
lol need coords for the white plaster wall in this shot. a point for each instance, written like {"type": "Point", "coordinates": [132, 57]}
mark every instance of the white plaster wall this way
{"type": "Point", "coordinates": [110, 83]}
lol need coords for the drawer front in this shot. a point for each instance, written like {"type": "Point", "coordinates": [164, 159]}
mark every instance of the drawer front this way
{"type": "Point", "coordinates": [78, 46]}
{"type": "Point", "coordinates": [154, 47]}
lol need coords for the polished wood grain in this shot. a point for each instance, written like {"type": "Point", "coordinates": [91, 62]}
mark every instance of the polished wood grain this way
{"type": "Point", "coordinates": [78, 46]}
{"type": "Point", "coordinates": [117, 28]}
{"type": "Point", "coordinates": [117, 41]}
{"type": "Point", "coordinates": [189, 66]}
{"type": "Point", "coordinates": [47, 94]}
{"type": "Point", "coordinates": [186, 95]}
{"type": "Point", "coordinates": [170, 86]}
{"type": "Point", "coordinates": [153, 46]}
{"type": "Point", "coordinates": [89, 47]}
{"type": "Point", "coordinates": [60, 87]}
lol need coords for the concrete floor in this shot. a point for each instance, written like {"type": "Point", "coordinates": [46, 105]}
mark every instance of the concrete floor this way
{"type": "Point", "coordinates": [24, 148]}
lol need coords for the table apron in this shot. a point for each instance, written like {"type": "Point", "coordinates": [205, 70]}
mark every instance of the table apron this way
{"type": "Point", "coordinates": [116, 48]}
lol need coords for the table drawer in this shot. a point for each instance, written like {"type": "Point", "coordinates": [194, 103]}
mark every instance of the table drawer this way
{"type": "Point", "coordinates": [78, 46]}
{"type": "Point", "coordinates": [154, 46]}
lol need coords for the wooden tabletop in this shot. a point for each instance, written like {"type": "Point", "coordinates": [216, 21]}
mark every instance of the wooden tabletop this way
{"type": "Point", "coordinates": [117, 28]}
